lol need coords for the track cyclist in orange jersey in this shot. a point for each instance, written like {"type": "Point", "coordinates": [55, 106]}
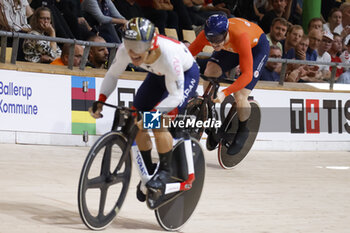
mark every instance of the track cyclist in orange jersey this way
{"type": "Point", "coordinates": [236, 41]}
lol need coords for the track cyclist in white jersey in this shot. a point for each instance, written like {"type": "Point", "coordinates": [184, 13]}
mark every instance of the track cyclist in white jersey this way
{"type": "Point", "coordinates": [172, 80]}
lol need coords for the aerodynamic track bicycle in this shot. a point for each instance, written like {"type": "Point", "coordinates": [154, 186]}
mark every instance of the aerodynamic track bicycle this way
{"type": "Point", "coordinates": [203, 108]}
{"type": "Point", "coordinates": [106, 173]}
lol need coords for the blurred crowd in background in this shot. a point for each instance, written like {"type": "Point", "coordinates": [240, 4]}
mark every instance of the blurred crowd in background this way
{"type": "Point", "coordinates": [325, 39]}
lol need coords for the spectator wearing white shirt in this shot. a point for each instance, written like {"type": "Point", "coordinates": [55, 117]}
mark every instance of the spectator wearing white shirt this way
{"type": "Point", "coordinates": [14, 14]}
{"type": "Point", "coordinates": [323, 55]}
{"type": "Point", "coordinates": [344, 78]}
{"type": "Point", "coordinates": [345, 55]}
{"type": "Point", "coordinates": [334, 24]}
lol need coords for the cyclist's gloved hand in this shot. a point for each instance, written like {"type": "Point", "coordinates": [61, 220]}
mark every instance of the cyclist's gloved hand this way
{"type": "Point", "coordinates": [95, 110]}
{"type": "Point", "coordinates": [220, 97]}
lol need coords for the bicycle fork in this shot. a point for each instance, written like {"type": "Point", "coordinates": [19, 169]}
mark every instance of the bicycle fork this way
{"type": "Point", "coordinates": [141, 167]}
{"type": "Point", "coordinates": [187, 184]}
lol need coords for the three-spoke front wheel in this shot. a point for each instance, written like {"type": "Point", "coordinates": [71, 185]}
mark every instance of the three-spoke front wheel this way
{"type": "Point", "coordinates": [104, 181]}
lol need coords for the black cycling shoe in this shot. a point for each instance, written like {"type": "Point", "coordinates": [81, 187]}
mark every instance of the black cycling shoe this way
{"type": "Point", "coordinates": [159, 181]}
{"type": "Point", "coordinates": [211, 142]}
{"type": "Point", "coordinates": [139, 194]}
{"type": "Point", "coordinates": [238, 141]}
{"type": "Point", "coordinates": [156, 190]}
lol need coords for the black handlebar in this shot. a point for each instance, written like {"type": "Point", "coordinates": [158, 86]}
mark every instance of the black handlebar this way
{"type": "Point", "coordinates": [94, 106]}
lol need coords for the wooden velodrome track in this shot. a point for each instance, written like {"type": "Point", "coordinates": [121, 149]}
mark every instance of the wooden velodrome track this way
{"type": "Point", "coordinates": [270, 192]}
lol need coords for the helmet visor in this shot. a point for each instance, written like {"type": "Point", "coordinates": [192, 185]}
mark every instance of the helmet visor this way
{"type": "Point", "coordinates": [217, 39]}
{"type": "Point", "coordinates": [137, 46]}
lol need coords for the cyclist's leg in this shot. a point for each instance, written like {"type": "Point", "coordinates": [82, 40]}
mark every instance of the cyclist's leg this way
{"type": "Point", "coordinates": [164, 144]}
{"type": "Point", "coordinates": [219, 63]}
{"type": "Point", "coordinates": [243, 112]}
{"type": "Point", "coordinates": [163, 138]}
{"type": "Point", "coordinates": [150, 93]}
{"type": "Point", "coordinates": [145, 100]}
{"type": "Point", "coordinates": [243, 106]}
{"type": "Point", "coordinates": [260, 55]}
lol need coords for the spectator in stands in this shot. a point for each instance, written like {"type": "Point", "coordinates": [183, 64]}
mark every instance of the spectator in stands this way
{"type": "Point", "coordinates": [296, 11]}
{"type": "Point", "coordinates": [301, 48]}
{"type": "Point", "coordinates": [72, 13]}
{"type": "Point", "coordinates": [193, 11]}
{"type": "Point", "coordinates": [315, 37]}
{"type": "Point", "coordinates": [242, 9]}
{"type": "Point", "coordinates": [200, 10]}
{"type": "Point", "coordinates": [104, 15]}
{"type": "Point", "coordinates": [61, 26]}
{"type": "Point", "coordinates": [328, 5]}
{"type": "Point", "coordinates": [325, 46]}
{"type": "Point", "coordinates": [296, 71]}
{"type": "Point", "coordinates": [161, 13]}
{"type": "Point", "coordinates": [207, 8]}
{"type": "Point", "coordinates": [128, 8]}
{"type": "Point", "coordinates": [344, 78]}
{"type": "Point", "coordinates": [226, 6]}
{"type": "Point", "coordinates": [293, 37]}
{"type": "Point", "coordinates": [185, 22]}
{"type": "Point", "coordinates": [335, 52]}
{"type": "Point", "coordinates": [323, 55]}
{"type": "Point", "coordinates": [315, 23]}
{"type": "Point", "coordinates": [63, 60]}
{"type": "Point", "coordinates": [14, 14]}
{"type": "Point", "coordinates": [278, 10]}
{"type": "Point", "coordinates": [334, 24]}
{"type": "Point", "coordinates": [306, 73]}
{"type": "Point", "coordinates": [98, 55]}
{"type": "Point", "coordinates": [278, 31]}
{"type": "Point", "coordinates": [345, 56]}
{"type": "Point", "coordinates": [260, 7]}
{"type": "Point", "coordinates": [268, 72]}
{"type": "Point", "coordinates": [345, 9]}
{"type": "Point", "coordinates": [40, 50]}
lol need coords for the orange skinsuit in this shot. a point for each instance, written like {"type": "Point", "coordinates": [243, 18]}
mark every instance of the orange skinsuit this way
{"type": "Point", "coordinates": [243, 36]}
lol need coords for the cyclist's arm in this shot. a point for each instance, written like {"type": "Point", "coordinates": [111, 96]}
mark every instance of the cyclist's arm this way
{"type": "Point", "coordinates": [110, 80]}
{"type": "Point", "coordinates": [198, 44]}
{"type": "Point", "coordinates": [245, 63]}
{"type": "Point", "coordinates": [174, 82]}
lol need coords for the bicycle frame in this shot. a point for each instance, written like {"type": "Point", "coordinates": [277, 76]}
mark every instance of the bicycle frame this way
{"type": "Point", "coordinates": [170, 187]}
{"type": "Point", "coordinates": [129, 129]}
{"type": "Point", "coordinates": [210, 92]}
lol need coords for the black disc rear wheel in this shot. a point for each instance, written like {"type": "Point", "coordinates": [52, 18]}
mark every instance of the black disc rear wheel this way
{"type": "Point", "coordinates": [174, 214]}
{"type": "Point", "coordinates": [230, 161]}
